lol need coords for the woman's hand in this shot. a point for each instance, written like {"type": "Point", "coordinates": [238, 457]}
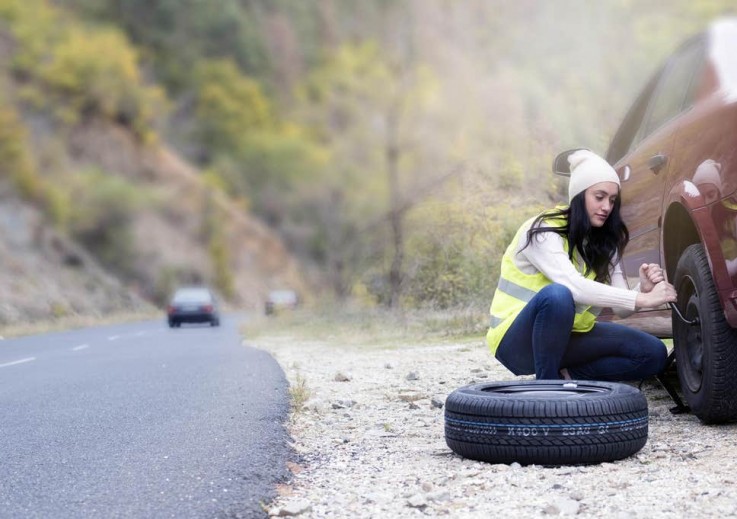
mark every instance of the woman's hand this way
{"type": "Point", "coordinates": [660, 294]}
{"type": "Point", "coordinates": [650, 275]}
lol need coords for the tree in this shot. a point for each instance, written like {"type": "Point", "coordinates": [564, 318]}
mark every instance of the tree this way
{"type": "Point", "coordinates": [229, 106]}
{"type": "Point", "coordinates": [178, 34]}
{"type": "Point", "coordinates": [369, 111]}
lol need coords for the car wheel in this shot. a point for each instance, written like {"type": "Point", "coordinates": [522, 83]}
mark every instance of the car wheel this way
{"type": "Point", "coordinates": [706, 353]}
{"type": "Point", "coordinates": [215, 322]}
{"type": "Point", "coordinates": [546, 422]}
{"type": "Point", "coordinates": [172, 324]}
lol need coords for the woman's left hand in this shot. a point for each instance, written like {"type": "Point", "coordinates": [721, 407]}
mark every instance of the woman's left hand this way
{"type": "Point", "coordinates": [650, 275]}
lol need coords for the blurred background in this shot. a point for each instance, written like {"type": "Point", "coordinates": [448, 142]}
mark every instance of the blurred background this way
{"type": "Point", "coordinates": [382, 152]}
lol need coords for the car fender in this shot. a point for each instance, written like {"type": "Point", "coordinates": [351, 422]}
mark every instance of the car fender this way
{"type": "Point", "coordinates": [688, 220]}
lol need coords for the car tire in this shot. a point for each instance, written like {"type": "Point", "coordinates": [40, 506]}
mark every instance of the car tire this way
{"type": "Point", "coordinates": [546, 422]}
{"type": "Point", "coordinates": [706, 353]}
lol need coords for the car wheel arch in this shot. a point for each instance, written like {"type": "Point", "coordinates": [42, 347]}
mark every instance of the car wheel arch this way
{"type": "Point", "coordinates": [680, 230]}
{"type": "Point", "coordinates": [684, 226]}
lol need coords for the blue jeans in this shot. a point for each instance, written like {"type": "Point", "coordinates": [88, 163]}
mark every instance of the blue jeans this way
{"type": "Point", "coordinates": [540, 341]}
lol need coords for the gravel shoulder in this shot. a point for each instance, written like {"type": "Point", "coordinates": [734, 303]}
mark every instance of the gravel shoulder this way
{"type": "Point", "coordinates": [370, 443]}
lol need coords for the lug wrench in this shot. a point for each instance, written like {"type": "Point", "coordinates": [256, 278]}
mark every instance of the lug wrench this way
{"type": "Point", "coordinates": [692, 322]}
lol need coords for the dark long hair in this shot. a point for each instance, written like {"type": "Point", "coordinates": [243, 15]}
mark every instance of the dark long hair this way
{"type": "Point", "coordinates": [596, 245]}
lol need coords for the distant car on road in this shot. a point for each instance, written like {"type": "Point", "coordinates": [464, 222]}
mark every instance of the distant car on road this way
{"type": "Point", "coordinates": [279, 300]}
{"type": "Point", "coordinates": [193, 305]}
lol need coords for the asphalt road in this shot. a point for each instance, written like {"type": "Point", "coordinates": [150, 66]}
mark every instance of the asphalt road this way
{"type": "Point", "coordinates": [140, 421]}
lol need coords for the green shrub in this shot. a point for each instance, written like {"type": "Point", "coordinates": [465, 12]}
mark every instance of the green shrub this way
{"type": "Point", "coordinates": [16, 160]}
{"type": "Point", "coordinates": [214, 229]}
{"type": "Point", "coordinates": [96, 72]}
{"type": "Point", "coordinates": [220, 257]}
{"type": "Point", "coordinates": [454, 252]}
{"type": "Point", "coordinates": [229, 106]}
{"type": "Point", "coordinates": [101, 215]}
{"type": "Point", "coordinates": [78, 71]}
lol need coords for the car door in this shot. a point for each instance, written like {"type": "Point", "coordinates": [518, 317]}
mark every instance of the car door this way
{"type": "Point", "coordinates": [644, 168]}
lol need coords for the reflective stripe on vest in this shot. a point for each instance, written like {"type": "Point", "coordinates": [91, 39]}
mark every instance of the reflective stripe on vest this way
{"type": "Point", "coordinates": [516, 289]}
{"type": "Point", "coordinates": [523, 294]}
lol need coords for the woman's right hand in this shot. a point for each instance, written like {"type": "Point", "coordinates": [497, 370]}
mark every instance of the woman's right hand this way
{"type": "Point", "coordinates": [661, 293]}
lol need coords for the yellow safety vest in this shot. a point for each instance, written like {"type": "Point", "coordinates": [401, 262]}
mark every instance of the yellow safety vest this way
{"type": "Point", "coordinates": [515, 289]}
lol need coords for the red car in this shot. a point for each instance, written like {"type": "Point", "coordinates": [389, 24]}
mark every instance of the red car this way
{"type": "Point", "coordinates": [676, 155]}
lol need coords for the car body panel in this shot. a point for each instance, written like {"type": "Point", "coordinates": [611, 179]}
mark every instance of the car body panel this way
{"type": "Point", "coordinates": [701, 144]}
{"type": "Point", "coordinates": [687, 114]}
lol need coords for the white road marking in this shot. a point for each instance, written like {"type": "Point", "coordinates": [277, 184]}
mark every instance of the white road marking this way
{"type": "Point", "coordinates": [81, 347]}
{"type": "Point", "coordinates": [113, 337]}
{"type": "Point", "coordinates": [21, 361]}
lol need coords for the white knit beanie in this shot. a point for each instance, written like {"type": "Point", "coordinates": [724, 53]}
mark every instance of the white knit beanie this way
{"type": "Point", "coordinates": [587, 169]}
{"type": "Point", "coordinates": [708, 173]}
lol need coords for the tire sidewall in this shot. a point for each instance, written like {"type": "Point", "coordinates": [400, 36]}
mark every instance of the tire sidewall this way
{"type": "Point", "coordinates": [688, 267]}
{"type": "Point", "coordinates": [550, 423]}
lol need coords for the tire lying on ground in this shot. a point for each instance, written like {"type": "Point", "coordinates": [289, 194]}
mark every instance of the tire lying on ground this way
{"type": "Point", "coordinates": [553, 422]}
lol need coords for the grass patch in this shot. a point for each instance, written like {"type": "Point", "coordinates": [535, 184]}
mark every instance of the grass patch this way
{"type": "Point", "coordinates": [353, 325]}
{"type": "Point", "coordinates": [70, 322]}
{"type": "Point", "coordinates": [299, 393]}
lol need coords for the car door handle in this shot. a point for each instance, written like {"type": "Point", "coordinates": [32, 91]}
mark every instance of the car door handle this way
{"type": "Point", "coordinates": [656, 162]}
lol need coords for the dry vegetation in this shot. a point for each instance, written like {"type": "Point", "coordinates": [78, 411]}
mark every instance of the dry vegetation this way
{"type": "Point", "coordinates": [394, 157]}
{"type": "Point", "coordinates": [368, 327]}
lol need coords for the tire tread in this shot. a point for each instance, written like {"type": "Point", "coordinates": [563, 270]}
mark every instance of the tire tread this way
{"type": "Point", "coordinates": [596, 420]}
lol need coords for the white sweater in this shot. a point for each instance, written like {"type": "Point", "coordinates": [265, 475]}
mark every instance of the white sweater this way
{"type": "Point", "coordinates": [546, 254]}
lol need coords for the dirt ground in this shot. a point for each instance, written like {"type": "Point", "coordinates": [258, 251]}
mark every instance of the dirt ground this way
{"type": "Point", "coordinates": [369, 438]}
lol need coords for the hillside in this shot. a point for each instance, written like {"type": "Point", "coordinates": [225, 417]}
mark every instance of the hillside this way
{"type": "Point", "coordinates": [168, 237]}
{"type": "Point", "coordinates": [98, 213]}
{"type": "Point", "coordinates": [393, 146]}
{"type": "Point", "coordinates": [44, 274]}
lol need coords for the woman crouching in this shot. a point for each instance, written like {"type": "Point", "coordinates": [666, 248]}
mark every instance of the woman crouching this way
{"type": "Point", "coordinates": [560, 270]}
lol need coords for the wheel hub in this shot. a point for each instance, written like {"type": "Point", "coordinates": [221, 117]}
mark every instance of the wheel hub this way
{"type": "Point", "coordinates": [694, 370]}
